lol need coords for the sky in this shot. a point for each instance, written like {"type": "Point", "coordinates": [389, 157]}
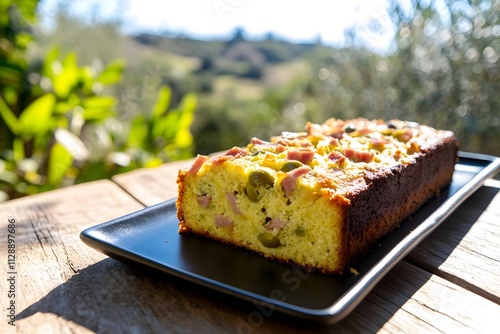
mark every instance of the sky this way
{"type": "Point", "coordinates": [296, 21]}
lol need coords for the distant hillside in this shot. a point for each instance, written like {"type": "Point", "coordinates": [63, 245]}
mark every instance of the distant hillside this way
{"type": "Point", "coordinates": [237, 56]}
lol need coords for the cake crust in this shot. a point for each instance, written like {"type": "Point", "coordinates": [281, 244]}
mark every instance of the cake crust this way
{"type": "Point", "coordinates": [317, 199]}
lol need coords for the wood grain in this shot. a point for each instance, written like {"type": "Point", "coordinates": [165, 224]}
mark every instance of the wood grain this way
{"type": "Point", "coordinates": [465, 248]}
{"type": "Point", "coordinates": [414, 300]}
{"type": "Point", "coordinates": [48, 249]}
{"type": "Point", "coordinates": [152, 185]}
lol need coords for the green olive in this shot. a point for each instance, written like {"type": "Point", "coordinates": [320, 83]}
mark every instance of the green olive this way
{"type": "Point", "coordinates": [269, 240]}
{"type": "Point", "coordinates": [300, 231]}
{"type": "Point", "coordinates": [290, 165]}
{"type": "Point", "coordinates": [260, 177]}
{"type": "Point", "coordinates": [349, 128]}
{"type": "Point", "coordinates": [392, 125]}
{"type": "Point", "coordinates": [252, 193]}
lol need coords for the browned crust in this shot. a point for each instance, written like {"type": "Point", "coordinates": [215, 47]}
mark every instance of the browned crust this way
{"type": "Point", "coordinates": [393, 195]}
{"type": "Point", "coordinates": [181, 176]}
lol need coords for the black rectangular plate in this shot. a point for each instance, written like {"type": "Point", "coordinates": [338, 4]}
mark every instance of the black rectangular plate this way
{"type": "Point", "coordinates": [150, 237]}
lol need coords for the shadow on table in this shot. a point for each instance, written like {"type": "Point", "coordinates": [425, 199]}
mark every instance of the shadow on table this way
{"type": "Point", "coordinates": [436, 249]}
{"type": "Point", "coordinates": [109, 297]}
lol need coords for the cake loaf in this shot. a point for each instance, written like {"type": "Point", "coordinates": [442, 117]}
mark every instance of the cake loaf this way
{"type": "Point", "coordinates": [320, 198]}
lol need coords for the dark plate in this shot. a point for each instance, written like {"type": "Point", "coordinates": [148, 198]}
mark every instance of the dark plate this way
{"type": "Point", "coordinates": [150, 237]}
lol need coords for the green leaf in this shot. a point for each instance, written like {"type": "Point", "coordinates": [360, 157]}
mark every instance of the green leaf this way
{"type": "Point", "coordinates": [112, 73]}
{"type": "Point", "coordinates": [153, 162]}
{"type": "Point", "coordinates": [50, 58]}
{"type": "Point", "coordinates": [184, 138]}
{"type": "Point", "coordinates": [100, 102]}
{"type": "Point", "coordinates": [8, 117]}
{"type": "Point", "coordinates": [10, 95]}
{"type": "Point", "coordinates": [36, 119]}
{"type": "Point", "coordinates": [98, 108]}
{"type": "Point", "coordinates": [162, 102]}
{"type": "Point", "coordinates": [23, 39]}
{"type": "Point", "coordinates": [187, 106]}
{"type": "Point", "coordinates": [60, 161]}
{"type": "Point", "coordinates": [138, 132]}
{"type": "Point", "coordinates": [87, 75]}
{"type": "Point", "coordinates": [172, 124]}
{"type": "Point", "coordinates": [18, 149]}
{"type": "Point", "coordinates": [158, 127]}
{"type": "Point", "coordinates": [11, 74]}
{"type": "Point", "coordinates": [179, 128]}
{"type": "Point", "coordinates": [67, 79]}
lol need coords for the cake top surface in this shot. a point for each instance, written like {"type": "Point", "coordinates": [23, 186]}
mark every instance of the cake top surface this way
{"type": "Point", "coordinates": [337, 155]}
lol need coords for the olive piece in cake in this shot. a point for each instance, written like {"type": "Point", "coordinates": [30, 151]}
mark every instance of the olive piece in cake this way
{"type": "Point", "coordinates": [392, 125]}
{"type": "Point", "coordinates": [290, 165]}
{"type": "Point", "coordinates": [252, 193]}
{"type": "Point", "coordinates": [269, 240]}
{"type": "Point", "coordinates": [349, 128]}
{"type": "Point", "coordinates": [260, 177]}
{"type": "Point", "coordinates": [300, 231]}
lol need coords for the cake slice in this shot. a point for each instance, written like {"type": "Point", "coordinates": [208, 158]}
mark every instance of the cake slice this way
{"type": "Point", "coordinates": [320, 198]}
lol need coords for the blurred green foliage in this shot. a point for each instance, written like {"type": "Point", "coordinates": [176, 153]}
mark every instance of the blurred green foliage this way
{"type": "Point", "coordinates": [59, 119]}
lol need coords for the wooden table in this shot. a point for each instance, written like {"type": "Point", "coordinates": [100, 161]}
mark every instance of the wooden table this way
{"type": "Point", "coordinates": [450, 283]}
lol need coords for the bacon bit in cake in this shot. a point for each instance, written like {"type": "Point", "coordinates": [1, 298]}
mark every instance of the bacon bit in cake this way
{"type": "Point", "coordinates": [290, 180]}
{"type": "Point", "coordinates": [403, 134]}
{"type": "Point", "coordinates": [276, 223]}
{"type": "Point", "coordinates": [314, 129]}
{"type": "Point", "coordinates": [338, 135]}
{"type": "Point", "coordinates": [280, 148]}
{"type": "Point", "coordinates": [350, 152]}
{"type": "Point", "coordinates": [257, 141]}
{"type": "Point", "coordinates": [298, 142]}
{"type": "Point", "coordinates": [379, 141]}
{"type": "Point", "coordinates": [233, 153]}
{"type": "Point", "coordinates": [198, 162]}
{"type": "Point", "coordinates": [407, 135]}
{"type": "Point", "coordinates": [204, 200]}
{"type": "Point", "coordinates": [221, 221]}
{"type": "Point", "coordinates": [218, 160]}
{"type": "Point", "coordinates": [337, 157]}
{"type": "Point", "coordinates": [237, 152]}
{"type": "Point", "coordinates": [334, 142]}
{"type": "Point", "coordinates": [304, 156]}
{"type": "Point", "coordinates": [362, 156]}
{"type": "Point", "coordinates": [231, 198]}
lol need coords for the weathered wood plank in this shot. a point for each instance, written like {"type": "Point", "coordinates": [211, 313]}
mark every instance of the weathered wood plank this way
{"type": "Point", "coordinates": [48, 249]}
{"type": "Point", "coordinates": [108, 297]}
{"type": "Point", "coordinates": [465, 249]}
{"type": "Point", "coordinates": [410, 300]}
{"type": "Point", "coordinates": [152, 185]}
